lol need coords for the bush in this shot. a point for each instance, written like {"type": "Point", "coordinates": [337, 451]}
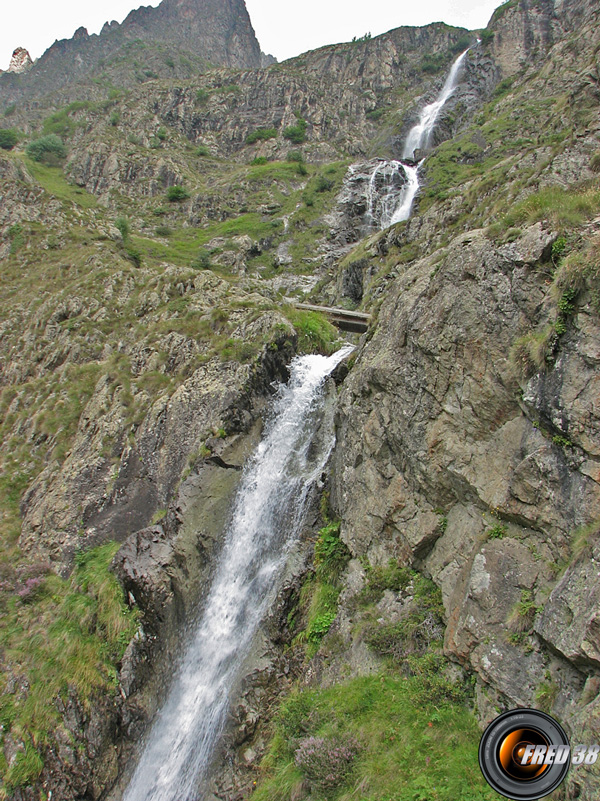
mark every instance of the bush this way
{"type": "Point", "coordinates": [296, 133]}
{"type": "Point", "coordinates": [326, 762]}
{"type": "Point", "coordinates": [202, 151]}
{"type": "Point", "coordinates": [595, 161]}
{"type": "Point", "coordinates": [177, 193]}
{"type": "Point", "coordinates": [114, 118]}
{"type": "Point", "coordinates": [202, 262]}
{"type": "Point", "coordinates": [163, 230]}
{"type": "Point", "coordinates": [202, 96]}
{"type": "Point", "coordinates": [261, 135]}
{"type": "Point", "coordinates": [487, 37]}
{"type": "Point", "coordinates": [259, 161]}
{"type": "Point", "coordinates": [161, 134]}
{"type": "Point", "coordinates": [295, 156]}
{"type": "Point", "coordinates": [324, 184]}
{"type": "Point", "coordinates": [48, 149]}
{"type": "Point", "coordinates": [122, 225]}
{"type": "Point", "coordinates": [8, 139]}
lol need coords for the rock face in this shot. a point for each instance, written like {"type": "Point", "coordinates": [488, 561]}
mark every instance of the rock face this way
{"type": "Point", "coordinates": [21, 61]}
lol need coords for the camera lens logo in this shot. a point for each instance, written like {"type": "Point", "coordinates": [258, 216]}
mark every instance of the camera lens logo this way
{"type": "Point", "coordinates": [524, 754]}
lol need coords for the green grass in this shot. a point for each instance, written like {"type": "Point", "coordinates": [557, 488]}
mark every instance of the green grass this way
{"type": "Point", "coordinates": [315, 333]}
{"type": "Point", "coordinates": [408, 750]}
{"type": "Point", "coordinates": [65, 635]}
{"type": "Point", "coordinates": [53, 181]}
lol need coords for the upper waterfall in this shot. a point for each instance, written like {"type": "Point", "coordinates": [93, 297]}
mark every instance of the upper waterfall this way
{"type": "Point", "coordinates": [265, 521]}
{"type": "Point", "coordinates": [419, 136]}
{"type": "Point", "coordinates": [393, 185]}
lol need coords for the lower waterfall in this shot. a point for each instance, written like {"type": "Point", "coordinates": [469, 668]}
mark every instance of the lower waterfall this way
{"type": "Point", "coordinates": [265, 522]}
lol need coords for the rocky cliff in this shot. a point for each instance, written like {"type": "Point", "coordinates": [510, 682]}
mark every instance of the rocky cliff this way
{"type": "Point", "coordinates": [147, 268]}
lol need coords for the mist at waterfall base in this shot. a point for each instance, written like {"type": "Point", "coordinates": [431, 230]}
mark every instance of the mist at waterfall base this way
{"type": "Point", "coordinates": [393, 185]}
{"type": "Point", "coordinates": [265, 522]}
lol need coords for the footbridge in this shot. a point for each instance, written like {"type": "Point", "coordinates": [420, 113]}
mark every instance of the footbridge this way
{"type": "Point", "coordinates": [353, 321]}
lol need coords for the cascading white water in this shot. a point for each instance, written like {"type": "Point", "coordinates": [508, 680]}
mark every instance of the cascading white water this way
{"type": "Point", "coordinates": [419, 137]}
{"type": "Point", "coordinates": [391, 202]}
{"type": "Point", "coordinates": [386, 187]}
{"type": "Point", "coordinates": [265, 521]}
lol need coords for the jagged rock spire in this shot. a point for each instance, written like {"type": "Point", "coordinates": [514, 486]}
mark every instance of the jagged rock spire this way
{"type": "Point", "coordinates": [21, 61]}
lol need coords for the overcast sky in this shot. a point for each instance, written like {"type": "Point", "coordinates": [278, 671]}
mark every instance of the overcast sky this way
{"type": "Point", "coordinates": [284, 28]}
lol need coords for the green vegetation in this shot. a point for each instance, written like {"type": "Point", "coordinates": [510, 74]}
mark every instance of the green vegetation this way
{"type": "Point", "coordinates": [320, 593]}
{"type": "Point", "coordinates": [522, 616]}
{"type": "Point", "coordinates": [296, 133]}
{"type": "Point", "coordinates": [48, 150]}
{"type": "Point", "coordinates": [315, 333]}
{"type": "Point", "coordinates": [375, 739]}
{"type": "Point", "coordinates": [175, 194]}
{"type": "Point", "coordinates": [261, 135]}
{"type": "Point", "coordinates": [53, 180]}
{"type": "Point", "coordinates": [66, 635]}
{"type": "Point", "coordinates": [497, 531]}
{"type": "Point", "coordinates": [122, 225]}
{"type": "Point", "coordinates": [8, 138]}
{"type": "Point", "coordinates": [61, 123]}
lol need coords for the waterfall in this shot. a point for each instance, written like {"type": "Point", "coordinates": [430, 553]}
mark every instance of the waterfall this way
{"type": "Point", "coordinates": [419, 137]}
{"type": "Point", "coordinates": [265, 521]}
{"type": "Point", "coordinates": [390, 201]}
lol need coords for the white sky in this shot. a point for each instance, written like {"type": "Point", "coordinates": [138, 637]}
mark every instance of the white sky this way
{"type": "Point", "coordinates": [284, 28]}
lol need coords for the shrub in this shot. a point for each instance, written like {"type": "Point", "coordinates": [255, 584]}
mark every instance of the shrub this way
{"type": "Point", "coordinates": [48, 149]}
{"type": "Point", "coordinates": [261, 135]}
{"type": "Point", "coordinates": [8, 139]}
{"type": "Point", "coordinates": [161, 134]}
{"type": "Point", "coordinates": [202, 151]}
{"type": "Point", "coordinates": [379, 579]}
{"type": "Point", "coordinates": [487, 37]}
{"type": "Point", "coordinates": [114, 118]}
{"type": "Point", "coordinates": [177, 193]}
{"type": "Point", "coordinates": [202, 96]}
{"type": "Point", "coordinates": [202, 262]}
{"type": "Point", "coordinates": [295, 156]}
{"type": "Point", "coordinates": [323, 184]}
{"type": "Point", "coordinates": [163, 230]}
{"type": "Point", "coordinates": [375, 114]}
{"type": "Point", "coordinates": [259, 161]}
{"type": "Point", "coordinates": [296, 133]}
{"type": "Point", "coordinates": [10, 110]}
{"type": "Point", "coordinates": [122, 225]}
{"type": "Point", "coordinates": [595, 161]}
{"type": "Point", "coordinates": [326, 762]}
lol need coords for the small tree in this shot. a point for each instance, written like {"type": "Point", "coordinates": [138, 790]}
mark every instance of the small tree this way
{"type": "Point", "coordinates": [8, 139]}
